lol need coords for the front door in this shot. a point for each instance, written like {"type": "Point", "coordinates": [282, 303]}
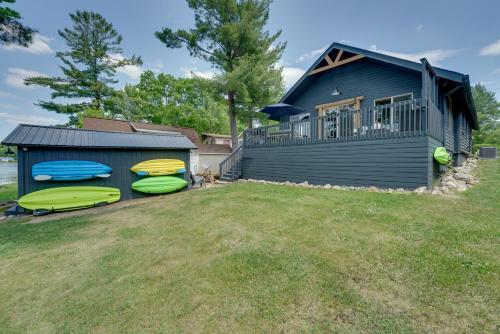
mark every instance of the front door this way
{"type": "Point", "coordinates": [336, 122]}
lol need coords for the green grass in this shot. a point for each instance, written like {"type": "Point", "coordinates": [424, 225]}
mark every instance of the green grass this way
{"type": "Point", "coordinates": [252, 258]}
{"type": "Point", "coordinates": [8, 192]}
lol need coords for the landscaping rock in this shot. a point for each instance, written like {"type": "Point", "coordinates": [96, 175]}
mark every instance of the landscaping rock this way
{"type": "Point", "coordinates": [420, 190]}
{"type": "Point", "coordinates": [450, 184]}
{"type": "Point", "coordinates": [373, 189]}
{"type": "Point", "coordinates": [461, 188]}
{"type": "Point", "coordinates": [327, 186]}
{"type": "Point", "coordinates": [437, 192]}
{"type": "Point", "coordinates": [462, 176]}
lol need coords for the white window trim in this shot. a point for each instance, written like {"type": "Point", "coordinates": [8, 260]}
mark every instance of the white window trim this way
{"type": "Point", "coordinates": [378, 125]}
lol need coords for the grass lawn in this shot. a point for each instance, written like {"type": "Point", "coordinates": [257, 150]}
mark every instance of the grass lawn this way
{"type": "Point", "coordinates": [252, 258]}
{"type": "Point", "coordinates": [8, 192]}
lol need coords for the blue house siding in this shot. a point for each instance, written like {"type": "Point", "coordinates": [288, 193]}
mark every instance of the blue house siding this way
{"type": "Point", "coordinates": [365, 77]}
{"type": "Point", "coordinates": [281, 153]}
{"type": "Point", "coordinates": [390, 163]}
{"type": "Point", "coordinates": [120, 160]}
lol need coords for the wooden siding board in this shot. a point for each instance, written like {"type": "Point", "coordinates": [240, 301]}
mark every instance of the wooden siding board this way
{"type": "Point", "coordinates": [364, 77]}
{"type": "Point", "coordinates": [119, 160]}
{"type": "Point", "coordinates": [382, 163]}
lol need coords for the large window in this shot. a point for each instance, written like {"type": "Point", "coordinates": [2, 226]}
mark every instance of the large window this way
{"type": "Point", "coordinates": [384, 115]}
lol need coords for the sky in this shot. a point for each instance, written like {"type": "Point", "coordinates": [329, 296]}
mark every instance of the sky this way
{"type": "Point", "coordinates": [459, 35]}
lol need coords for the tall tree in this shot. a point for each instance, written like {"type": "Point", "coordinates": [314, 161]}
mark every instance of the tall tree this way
{"type": "Point", "coordinates": [88, 66]}
{"type": "Point", "coordinates": [164, 99]}
{"type": "Point", "coordinates": [12, 31]}
{"type": "Point", "coordinates": [488, 113]}
{"type": "Point", "coordinates": [230, 35]}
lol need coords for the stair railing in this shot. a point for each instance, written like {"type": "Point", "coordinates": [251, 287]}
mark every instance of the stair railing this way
{"type": "Point", "coordinates": [231, 166]}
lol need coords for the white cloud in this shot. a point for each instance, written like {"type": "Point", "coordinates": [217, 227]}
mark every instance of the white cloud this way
{"type": "Point", "coordinates": [40, 45]}
{"type": "Point", "coordinates": [14, 118]}
{"type": "Point", "coordinates": [433, 56]}
{"type": "Point", "coordinates": [10, 95]}
{"type": "Point", "coordinates": [8, 106]}
{"type": "Point", "coordinates": [157, 66]}
{"type": "Point", "coordinates": [190, 72]}
{"type": "Point", "coordinates": [497, 71]}
{"type": "Point", "coordinates": [419, 27]}
{"type": "Point", "coordinates": [15, 77]}
{"type": "Point", "coordinates": [345, 41]}
{"type": "Point", "coordinates": [132, 71]}
{"type": "Point", "coordinates": [491, 50]}
{"type": "Point", "coordinates": [311, 55]}
{"type": "Point", "coordinates": [291, 75]}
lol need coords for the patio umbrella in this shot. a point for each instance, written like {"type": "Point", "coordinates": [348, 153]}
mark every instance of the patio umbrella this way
{"type": "Point", "coordinates": [278, 110]}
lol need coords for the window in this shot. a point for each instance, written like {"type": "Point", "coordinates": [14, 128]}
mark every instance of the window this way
{"type": "Point", "coordinates": [299, 117]}
{"type": "Point", "coordinates": [301, 129]}
{"type": "Point", "coordinates": [384, 115]}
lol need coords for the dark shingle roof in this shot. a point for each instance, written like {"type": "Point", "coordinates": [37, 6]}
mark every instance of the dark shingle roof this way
{"type": "Point", "coordinates": [33, 135]}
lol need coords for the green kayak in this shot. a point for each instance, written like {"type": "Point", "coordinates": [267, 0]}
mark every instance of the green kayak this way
{"type": "Point", "coordinates": [159, 184]}
{"type": "Point", "coordinates": [69, 198]}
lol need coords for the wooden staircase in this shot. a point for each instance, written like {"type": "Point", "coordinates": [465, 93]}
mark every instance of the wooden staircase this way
{"type": "Point", "coordinates": [230, 168]}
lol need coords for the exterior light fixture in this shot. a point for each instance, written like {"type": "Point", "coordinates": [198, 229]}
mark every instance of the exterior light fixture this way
{"type": "Point", "coordinates": [336, 92]}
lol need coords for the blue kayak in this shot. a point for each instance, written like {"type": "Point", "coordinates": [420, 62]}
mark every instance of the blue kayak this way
{"type": "Point", "coordinates": [69, 170]}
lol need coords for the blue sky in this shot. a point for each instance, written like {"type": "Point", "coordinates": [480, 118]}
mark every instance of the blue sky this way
{"type": "Point", "coordinates": [459, 35]}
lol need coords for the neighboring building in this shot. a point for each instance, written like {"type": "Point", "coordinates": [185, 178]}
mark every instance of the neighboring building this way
{"type": "Point", "coordinates": [118, 150]}
{"type": "Point", "coordinates": [212, 138]}
{"type": "Point", "coordinates": [206, 156]}
{"type": "Point", "coordinates": [367, 119]}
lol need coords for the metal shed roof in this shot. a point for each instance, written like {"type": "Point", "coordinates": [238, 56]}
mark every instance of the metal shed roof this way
{"type": "Point", "coordinates": [34, 135]}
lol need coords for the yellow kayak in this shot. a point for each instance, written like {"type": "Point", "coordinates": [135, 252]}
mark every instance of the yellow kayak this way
{"type": "Point", "coordinates": [159, 167]}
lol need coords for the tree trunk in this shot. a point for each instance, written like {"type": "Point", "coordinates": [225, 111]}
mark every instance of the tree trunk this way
{"type": "Point", "coordinates": [250, 123]}
{"type": "Point", "coordinates": [232, 120]}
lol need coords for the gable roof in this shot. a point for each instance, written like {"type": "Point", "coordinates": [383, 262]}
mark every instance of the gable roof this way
{"type": "Point", "coordinates": [34, 135]}
{"type": "Point", "coordinates": [456, 77]}
{"type": "Point", "coordinates": [107, 124]}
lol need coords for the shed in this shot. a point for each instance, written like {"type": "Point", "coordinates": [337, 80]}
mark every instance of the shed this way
{"type": "Point", "coordinates": [118, 150]}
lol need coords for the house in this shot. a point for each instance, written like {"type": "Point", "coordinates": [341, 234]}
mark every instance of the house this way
{"type": "Point", "coordinates": [365, 119]}
{"type": "Point", "coordinates": [206, 156]}
{"type": "Point", "coordinates": [213, 138]}
{"type": "Point", "coordinates": [118, 150]}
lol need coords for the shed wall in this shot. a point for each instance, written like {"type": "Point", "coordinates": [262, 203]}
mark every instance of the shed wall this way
{"type": "Point", "coordinates": [119, 160]}
{"type": "Point", "coordinates": [387, 163]}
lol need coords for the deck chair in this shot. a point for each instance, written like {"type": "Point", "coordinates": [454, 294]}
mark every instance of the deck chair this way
{"type": "Point", "coordinates": [197, 180]}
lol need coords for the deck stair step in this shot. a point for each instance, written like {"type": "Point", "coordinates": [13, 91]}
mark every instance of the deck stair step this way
{"type": "Point", "coordinates": [230, 169]}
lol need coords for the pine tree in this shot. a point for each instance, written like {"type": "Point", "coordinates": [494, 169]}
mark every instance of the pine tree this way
{"type": "Point", "coordinates": [230, 35]}
{"type": "Point", "coordinates": [11, 30]}
{"type": "Point", "coordinates": [88, 66]}
{"type": "Point", "coordinates": [488, 114]}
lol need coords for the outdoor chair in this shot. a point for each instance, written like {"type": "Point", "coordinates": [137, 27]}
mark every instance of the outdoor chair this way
{"type": "Point", "coordinates": [197, 180]}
